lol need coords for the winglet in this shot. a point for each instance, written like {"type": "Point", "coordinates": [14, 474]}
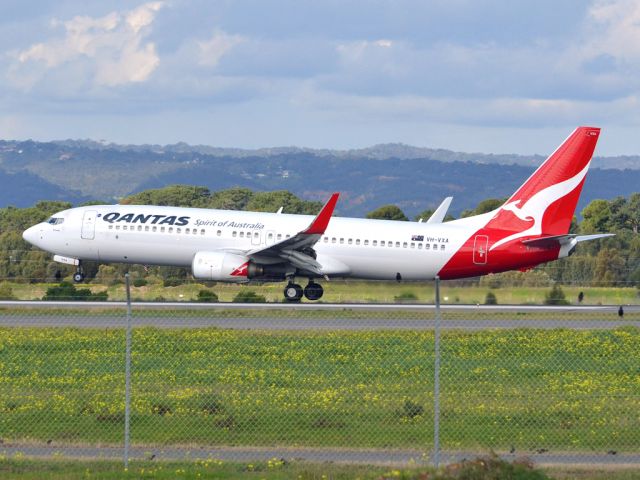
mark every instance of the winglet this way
{"type": "Point", "coordinates": [320, 223]}
{"type": "Point", "coordinates": [441, 211]}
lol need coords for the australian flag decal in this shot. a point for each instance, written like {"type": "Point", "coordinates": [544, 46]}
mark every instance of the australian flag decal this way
{"type": "Point", "coordinates": [417, 238]}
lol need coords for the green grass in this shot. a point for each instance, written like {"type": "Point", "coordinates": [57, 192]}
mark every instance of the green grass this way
{"type": "Point", "coordinates": [561, 390]}
{"type": "Point", "coordinates": [339, 291]}
{"type": "Point", "coordinates": [276, 469]}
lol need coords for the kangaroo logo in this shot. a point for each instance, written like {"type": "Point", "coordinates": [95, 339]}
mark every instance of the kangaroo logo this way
{"type": "Point", "coordinates": [535, 208]}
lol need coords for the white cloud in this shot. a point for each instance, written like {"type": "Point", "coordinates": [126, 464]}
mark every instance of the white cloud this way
{"type": "Point", "coordinates": [212, 50]}
{"type": "Point", "coordinates": [111, 48]}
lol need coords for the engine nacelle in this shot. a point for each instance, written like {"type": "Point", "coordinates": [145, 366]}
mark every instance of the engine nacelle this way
{"type": "Point", "coordinates": [220, 266]}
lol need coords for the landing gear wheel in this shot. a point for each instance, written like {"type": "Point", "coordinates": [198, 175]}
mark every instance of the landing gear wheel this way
{"type": "Point", "coordinates": [313, 291]}
{"type": "Point", "coordinates": [78, 277]}
{"type": "Point", "coordinates": [293, 292]}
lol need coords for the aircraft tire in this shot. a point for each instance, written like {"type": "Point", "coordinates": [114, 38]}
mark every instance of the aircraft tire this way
{"type": "Point", "coordinates": [78, 277]}
{"type": "Point", "coordinates": [313, 291]}
{"type": "Point", "coordinates": [293, 292]}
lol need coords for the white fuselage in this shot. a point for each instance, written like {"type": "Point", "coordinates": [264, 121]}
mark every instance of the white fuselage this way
{"type": "Point", "coordinates": [157, 235]}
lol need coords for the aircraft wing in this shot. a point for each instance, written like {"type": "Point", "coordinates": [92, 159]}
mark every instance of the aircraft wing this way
{"type": "Point", "coordinates": [441, 211]}
{"type": "Point", "coordinates": [297, 249]}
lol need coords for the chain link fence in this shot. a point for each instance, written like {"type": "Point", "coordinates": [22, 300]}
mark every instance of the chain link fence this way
{"type": "Point", "coordinates": [317, 382]}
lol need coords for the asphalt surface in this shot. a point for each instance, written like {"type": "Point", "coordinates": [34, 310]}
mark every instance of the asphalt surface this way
{"type": "Point", "coordinates": [336, 455]}
{"type": "Point", "coordinates": [296, 317]}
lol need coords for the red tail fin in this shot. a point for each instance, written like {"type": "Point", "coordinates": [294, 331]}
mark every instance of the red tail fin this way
{"type": "Point", "coordinates": [559, 181]}
{"type": "Point", "coordinates": [549, 197]}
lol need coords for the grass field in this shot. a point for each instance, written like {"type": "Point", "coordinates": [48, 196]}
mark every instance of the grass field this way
{"type": "Point", "coordinates": [360, 292]}
{"type": "Point", "coordinates": [276, 469]}
{"type": "Point", "coordinates": [528, 389]}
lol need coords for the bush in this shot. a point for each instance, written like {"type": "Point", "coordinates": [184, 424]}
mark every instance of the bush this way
{"type": "Point", "coordinates": [411, 409]}
{"type": "Point", "coordinates": [68, 291]}
{"type": "Point", "coordinates": [139, 282]}
{"type": "Point", "coordinates": [6, 292]}
{"type": "Point", "coordinates": [406, 297]}
{"type": "Point", "coordinates": [172, 282]}
{"type": "Point", "coordinates": [207, 296]}
{"type": "Point", "coordinates": [555, 296]}
{"type": "Point", "coordinates": [248, 296]}
{"type": "Point", "coordinates": [490, 299]}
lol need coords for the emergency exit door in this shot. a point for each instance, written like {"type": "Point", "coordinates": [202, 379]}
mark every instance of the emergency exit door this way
{"type": "Point", "coordinates": [480, 249]}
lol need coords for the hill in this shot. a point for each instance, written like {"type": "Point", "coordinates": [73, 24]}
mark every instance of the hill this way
{"type": "Point", "coordinates": [412, 178]}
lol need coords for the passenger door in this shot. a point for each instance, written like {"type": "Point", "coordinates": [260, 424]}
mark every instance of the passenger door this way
{"type": "Point", "coordinates": [88, 231]}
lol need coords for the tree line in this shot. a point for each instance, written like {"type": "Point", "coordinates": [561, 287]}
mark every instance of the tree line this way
{"type": "Point", "coordinates": [613, 262]}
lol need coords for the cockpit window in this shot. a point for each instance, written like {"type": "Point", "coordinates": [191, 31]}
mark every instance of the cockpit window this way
{"type": "Point", "coordinates": [55, 220]}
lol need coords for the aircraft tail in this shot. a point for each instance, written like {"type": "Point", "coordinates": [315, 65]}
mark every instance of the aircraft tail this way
{"type": "Point", "coordinates": [558, 181]}
{"type": "Point", "coordinates": [549, 196]}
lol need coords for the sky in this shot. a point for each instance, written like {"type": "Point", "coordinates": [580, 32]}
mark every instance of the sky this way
{"type": "Point", "coordinates": [468, 75]}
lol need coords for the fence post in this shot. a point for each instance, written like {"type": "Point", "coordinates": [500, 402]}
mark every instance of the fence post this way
{"type": "Point", "coordinates": [436, 379]}
{"type": "Point", "coordinates": [127, 375]}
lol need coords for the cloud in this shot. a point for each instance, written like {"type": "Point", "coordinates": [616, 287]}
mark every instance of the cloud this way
{"type": "Point", "coordinates": [212, 50]}
{"type": "Point", "coordinates": [110, 50]}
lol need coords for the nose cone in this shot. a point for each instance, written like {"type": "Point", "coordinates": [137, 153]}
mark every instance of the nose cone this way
{"type": "Point", "coordinates": [32, 234]}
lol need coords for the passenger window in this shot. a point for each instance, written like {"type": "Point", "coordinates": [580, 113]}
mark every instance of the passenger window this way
{"type": "Point", "coordinates": [161, 229]}
{"type": "Point", "coordinates": [350, 241]}
{"type": "Point", "coordinates": [255, 234]}
{"type": "Point", "coordinates": [117, 227]}
{"type": "Point", "coordinates": [333, 240]}
{"type": "Point", "coordinates": [201, 231]}
{"type": "Point", "coordinates": [357, 241]}
{"type": "Point", "coordinates": [287, 236]}
{"type": "Point", "coordinates": [234, 234]}
{"type": "Point", "coordinates": [139, 228]}
{"type": "Point", "coordinates": [124, 227]}
{"type": "Point", "coordinates": [366, 242]}
{"type": "Point", "coordinates": [427, 246]}
{"type": "Point", "coordinates": [375, 243]}
{"type": "Point", "coordinates": [382, 244]}
{"type": "Point", "coordinates": [170, 229]}
{"type": "Point", "coordinates": [110, 227]}
{"type": "Point", "coordinates": [270, 236]}
{"type": "Point", "coordinates": [341, 241]}
{"type": "Point", "coordinates": [404, 245]}
{"type": "Point", "coordinates": [435, 247]}
{"type": "Point", "coordinates": [442, 247]}
{"type": "Point", "coordinates": [397, 244]}
{"type": "Point", "coordinates": [241, 234]}
{"type": "Point", "coordinates": [419, 246]}
{"type": "Point", "coordinates": [155, 229]}
{"type": "Point", "coordinates": [187, 230]}
{"type": "Point", "coordinates": [413, 245]}
{"type": "Point", "coordinates": [280, 237]}
{"type": "Point", "coordinates": [326, 239]}
{"type": "Point", "coordinates": [146, 228]}
{"type": "Point", "coordinates": [390, 243]}
{"type": "Point", "coordinates": [219, 232]}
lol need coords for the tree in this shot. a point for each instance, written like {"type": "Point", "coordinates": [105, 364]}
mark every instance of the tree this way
{"type": "Point", "coordinates": [388, 212]}
{"type": "Point", "coordinates": [174, 195]}
{"type": "Point", "coordinates": [272, 201]}
{"type": "Point", "coordinates": [596, 217]}
{"type": "Point", "coordinates": [484, 206]}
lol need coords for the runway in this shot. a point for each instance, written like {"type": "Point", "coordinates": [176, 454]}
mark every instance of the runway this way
{"type": "Point", "coordinates": [324, 317]}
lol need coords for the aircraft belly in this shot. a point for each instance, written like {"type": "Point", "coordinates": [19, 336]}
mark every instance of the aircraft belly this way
{"type": "Point", "coordinates": [408, 264]}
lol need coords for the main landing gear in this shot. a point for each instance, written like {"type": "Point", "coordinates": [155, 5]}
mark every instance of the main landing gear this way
{"type": "Point", "coordinates": [293, 292]}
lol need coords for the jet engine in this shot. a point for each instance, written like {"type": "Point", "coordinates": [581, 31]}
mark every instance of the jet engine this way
{"type": "Point", "coordinates": [229, 267]}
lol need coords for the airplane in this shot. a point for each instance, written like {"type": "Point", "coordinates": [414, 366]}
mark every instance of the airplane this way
{"type": "Point", "coordinates": [530, 228]}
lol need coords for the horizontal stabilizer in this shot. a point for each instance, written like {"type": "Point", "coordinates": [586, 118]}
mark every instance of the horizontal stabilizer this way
{"type": "Point", "coordinates": [554, 240]}
{"type": "Point", "coordinates": [441, 211]}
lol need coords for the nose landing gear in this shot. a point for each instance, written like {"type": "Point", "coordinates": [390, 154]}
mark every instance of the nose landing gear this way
{"type": "Point", "coordinates": [78, 277]}
{"type": "Point", "coordinates": [293, 292]}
